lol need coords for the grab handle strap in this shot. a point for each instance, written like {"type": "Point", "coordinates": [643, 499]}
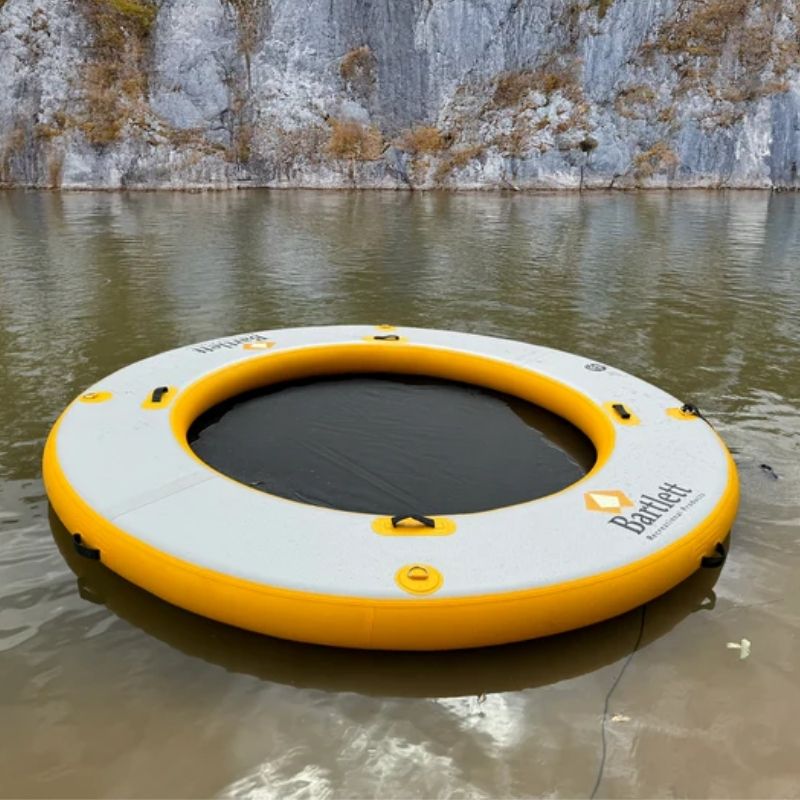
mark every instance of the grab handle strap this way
{"type": "Point", "coordinates": [158, 393]}
{"type": "Point", "coordinates": [428, 522]}
{"type": "Point", "coordinates": [388, 337]}
{"type": "Point", "coordinates": [622, 412]}
{"type": "Point", "coordinates": [715, 561]}
{"type": "Point", "coordinates": [84, 550]}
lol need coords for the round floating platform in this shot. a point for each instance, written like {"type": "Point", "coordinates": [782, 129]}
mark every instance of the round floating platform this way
{"type": "Point", "coordinates": [126, 481]}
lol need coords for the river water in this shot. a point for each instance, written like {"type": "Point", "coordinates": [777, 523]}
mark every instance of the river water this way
{"type": "Point", "coordinates": [107, 692]}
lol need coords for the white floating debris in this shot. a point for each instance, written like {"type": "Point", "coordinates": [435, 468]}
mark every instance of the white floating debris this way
{"type": "Point", "coordinates": [620, 718]}
{"type": "Point", "coordinates": [743, 647]}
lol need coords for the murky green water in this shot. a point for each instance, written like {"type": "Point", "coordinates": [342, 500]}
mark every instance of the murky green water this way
{"type": "Point", "coordinates": [106, 691]}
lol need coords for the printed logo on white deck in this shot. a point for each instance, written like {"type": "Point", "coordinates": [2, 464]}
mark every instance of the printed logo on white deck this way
{"type": "Point", "coordinates": [612, 501]}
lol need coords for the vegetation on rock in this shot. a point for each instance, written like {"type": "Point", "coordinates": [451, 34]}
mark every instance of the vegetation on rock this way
{"type": "Point", "coordinates": [658, 158]}
{"type": "Point", "coordinates": [422, 140]}
{"type": "Point", "coordinates": [115, 77]}
{"type": "Point", "coordinates": [357, 69]}
{"type": "Point", "coordinates": [354, 140]}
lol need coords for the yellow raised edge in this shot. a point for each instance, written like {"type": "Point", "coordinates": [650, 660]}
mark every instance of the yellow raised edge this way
{"type": "Point", "coordinates": [609, 407]}
{"type": "Point", "coordinates": [419, 579]}
{"type": "Point", "coordinates": [403, 358]}
{"type": "Point", "coordinates": [166, 399]}
{"type": "Point", "coordinates": [386, 327]}
{"type": "Point", "coordinates": [95, 397]}
{"type": "Point", "coordinates": [424, 623]}
{"type": "Point", "coordinates": [443, 526]}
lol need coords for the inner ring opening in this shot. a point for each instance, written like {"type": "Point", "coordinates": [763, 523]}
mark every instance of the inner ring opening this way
{"type": "Point", "coordinates": [392, 444]}
{"type": "Point", "coordinates": [397, 430]}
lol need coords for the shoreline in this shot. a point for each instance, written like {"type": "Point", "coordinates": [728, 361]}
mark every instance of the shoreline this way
{"type": "Point", "coordinates": [216, 189]}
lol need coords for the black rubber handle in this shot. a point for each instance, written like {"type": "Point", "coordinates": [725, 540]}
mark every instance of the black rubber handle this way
{"type": "Point", "coordinates": [92, 553]}
{"type": "Point", "coordinates": [158, 393]}
{"type": "Point", "coordinates": [715, 562]}
{"type": "Point", "coordinates": [428, 522]}
{"type": "Point", "coordinates": [621, 411]}
{"type": "Point", "coordinates": [389, 337]}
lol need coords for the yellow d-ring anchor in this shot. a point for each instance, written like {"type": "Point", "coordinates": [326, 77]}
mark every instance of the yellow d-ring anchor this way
{"type": "Point", "coordinates": [94, 397]}
{"type": "Point", "coordinates": [419, 578]}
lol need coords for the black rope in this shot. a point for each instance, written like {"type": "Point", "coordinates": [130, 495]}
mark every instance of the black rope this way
{"type": "Point", "coordinates": [767, 469]}
{"type": "Point", "coordinates": [614, 685]}
{"type": "Point", "coordinates": [688, 408]}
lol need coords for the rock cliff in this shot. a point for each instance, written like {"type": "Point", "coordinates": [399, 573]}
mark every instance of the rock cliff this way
{"type": "Point", "coordinates": [399, 93]}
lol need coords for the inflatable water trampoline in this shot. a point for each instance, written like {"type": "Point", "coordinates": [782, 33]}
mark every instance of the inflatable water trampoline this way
{"type": "Point", "coordinates": [123, 476]}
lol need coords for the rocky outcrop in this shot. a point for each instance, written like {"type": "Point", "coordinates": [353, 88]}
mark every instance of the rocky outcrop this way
{"type": "Point", "coordinates": [388, 94]}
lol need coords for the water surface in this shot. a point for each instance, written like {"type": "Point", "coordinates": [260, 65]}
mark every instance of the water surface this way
{"type": "Point", "coordinates": [106, 691]}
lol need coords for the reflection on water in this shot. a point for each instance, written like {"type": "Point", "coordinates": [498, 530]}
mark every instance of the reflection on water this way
{"type": "Point", "coordinates": [449, 674]}
{"type": "Point", "coordinates": [109, 692]}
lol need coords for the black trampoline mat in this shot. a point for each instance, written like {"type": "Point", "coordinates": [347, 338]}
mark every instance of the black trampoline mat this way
{"type": "Point", "coordinates": [389, 444]}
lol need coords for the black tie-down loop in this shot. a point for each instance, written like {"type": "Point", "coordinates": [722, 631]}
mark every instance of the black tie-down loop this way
{"type": "Point", "coordinates": [389, 337]}
{"type": "Point", "coordinates": [92, 553]}
{"type": "Point", "coordinates": [158, 394]}
{"type": "Point", "coordinates": [428, 522]}
{"type": "Point", "coordinates": [715, 561]}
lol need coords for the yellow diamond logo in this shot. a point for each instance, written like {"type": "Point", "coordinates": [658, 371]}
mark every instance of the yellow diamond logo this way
{"type": "Point", "coordinates": [611, 501]}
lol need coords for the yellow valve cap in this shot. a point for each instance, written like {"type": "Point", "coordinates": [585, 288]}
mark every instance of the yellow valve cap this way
{"type": "Point", "coordinates": [95, 397]}
{"type": "Point", "coordinates": [258, 345]}
{"type": "Point", "coordinates": [419, 578]}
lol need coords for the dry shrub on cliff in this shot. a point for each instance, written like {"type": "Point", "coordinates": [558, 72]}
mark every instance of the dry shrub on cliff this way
{"type": "Point", "coordinates": [141, 13]}
{"type": "Point", "coordinates": [702, 29]}
{"type": "Point", "coordinates": [787, 54]}
{"type": "Point", "coordinates": [602, 7]}
{"type": "Point", "coordinates": [633, 101]}
{"type": "Point", "coordinates": [12, 148]}
{"type": "Point", "coordinates": [425, 139]}
{"type": "Point", "coordinates": [241, 148]}
{"type": "Point", "coordinates": [357, 69]}
{"type": "Point", "coordinates": [515, 143]}
{"type": "Point", "coordinates": [456, 160]}
{"type": "Point", "coordinates": [52, 129]}
{"type": "Point", "coordinates": [249, 16]}
{"type": "Point", "coordinates": [658, 158]}
{"type": "Point", "coordinates": [714, 32]}
{"type": "Point", "coordinates": [293, 145]}
{"type": "Point", "coordinates": [512, 88]}
{"type": "Point", "coordinates": [352, 139]}
{"type": "Point", "coordinates": [115, 78]}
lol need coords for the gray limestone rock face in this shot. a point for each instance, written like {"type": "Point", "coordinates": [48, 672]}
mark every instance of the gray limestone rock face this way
{"type": "Point", "coordinates": [420, 94]}
{"type": "Point", "coordinates": [195, 55]}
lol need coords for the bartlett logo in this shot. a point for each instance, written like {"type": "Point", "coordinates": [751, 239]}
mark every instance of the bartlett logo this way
{"type": "Point", "coordinates": [611, 501]}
